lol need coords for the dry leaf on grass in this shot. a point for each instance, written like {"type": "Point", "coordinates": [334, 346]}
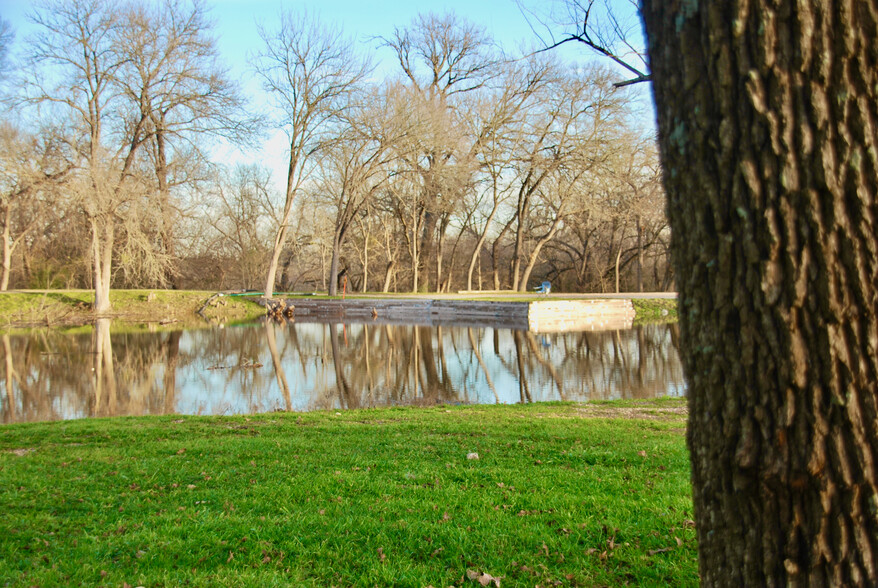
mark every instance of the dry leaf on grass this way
{"type": "Point", "coordinates": [485, 579]}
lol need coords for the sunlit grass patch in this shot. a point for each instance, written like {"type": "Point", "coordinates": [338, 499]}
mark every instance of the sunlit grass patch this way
{"type": "Point", "coordinates": [651, 310]}
{"type": "Point", "coordinates": [74, 307]}
{"type": "Point", "coordinates": [381, 496]}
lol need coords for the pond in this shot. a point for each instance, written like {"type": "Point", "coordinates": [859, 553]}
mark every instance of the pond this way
{"type": "Point", "coordinates": [268, 366]}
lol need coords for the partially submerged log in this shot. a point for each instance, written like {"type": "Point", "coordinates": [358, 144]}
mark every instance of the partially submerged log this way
{"type": "Point", "coordinates": [277, 308]}
{"type": "Point", "coordinates": [200, 311]}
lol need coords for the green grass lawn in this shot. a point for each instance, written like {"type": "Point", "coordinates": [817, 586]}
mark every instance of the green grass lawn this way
{"type": "Point", "coordinates": [561, 494]}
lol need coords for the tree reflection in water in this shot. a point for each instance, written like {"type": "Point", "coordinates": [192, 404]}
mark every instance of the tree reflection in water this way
{"type": "Point", "coordinates": [312, 366]}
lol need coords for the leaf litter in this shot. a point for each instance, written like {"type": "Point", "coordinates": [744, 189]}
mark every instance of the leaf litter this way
{"type": "Point", "coordinates": [485, 579]}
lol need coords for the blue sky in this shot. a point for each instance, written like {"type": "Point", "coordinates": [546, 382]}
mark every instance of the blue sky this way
{"type": "Point", "coordinates": [236, 19]}
{"type": "Point", "coordinates": [365, 19]}
{"type": "Point", "coordinates": [236, 31]}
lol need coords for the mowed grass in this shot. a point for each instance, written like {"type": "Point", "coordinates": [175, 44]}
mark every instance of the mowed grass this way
{"type": "Point", "coordinates": [60, 307]}
{"type": "Point", "coordinates": [369, 497]}
{"type": "Point", "coordinates": [649, 310]}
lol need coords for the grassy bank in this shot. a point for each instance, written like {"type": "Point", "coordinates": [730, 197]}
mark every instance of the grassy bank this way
{"type": "Point", "coordinates": [655, 309]}
{"type": "Point", "coordinates": [561, 494]}
{"type": "Point", "coordinates": [66, 307]}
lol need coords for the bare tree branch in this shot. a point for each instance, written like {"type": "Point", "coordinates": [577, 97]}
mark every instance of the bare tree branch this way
{"type": "Point", "coordinates": [595, 25]}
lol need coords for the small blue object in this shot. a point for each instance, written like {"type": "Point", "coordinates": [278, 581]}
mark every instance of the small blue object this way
{"type": "Point", "coordinates": [544, 288]}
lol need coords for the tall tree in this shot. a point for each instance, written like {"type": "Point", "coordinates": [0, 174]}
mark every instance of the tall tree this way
{"type": "Point", "coordinates": [172, 79]}
{"type": "Point", "coordinates": [127, 77]}
{"type": "Point", "coordinates": [567, 139]}
{"type": "Point", "coordinates": [240, 203]}
{"type": "Point", "coordinates": [30, 167]}
{"type": "Point", "coordinates": [310, 70]}
{"type": "Point", "coordinates": [768, 127]}
{"type": "Point", "coordinates": [75, 59]}
{"type": "Point", "coordinates": [353, 170]}
{"type": "Point", "coordinates": [441, 56]}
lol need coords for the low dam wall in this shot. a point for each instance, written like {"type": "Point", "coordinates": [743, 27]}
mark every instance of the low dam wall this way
{"type": "Point", "coordinates": [554, 316]}
{"type": "Point", "coordinates": [541, 316]}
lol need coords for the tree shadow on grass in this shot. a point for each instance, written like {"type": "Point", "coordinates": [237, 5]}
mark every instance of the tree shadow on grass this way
{"type": "Point", "coordinates": [67, 299]}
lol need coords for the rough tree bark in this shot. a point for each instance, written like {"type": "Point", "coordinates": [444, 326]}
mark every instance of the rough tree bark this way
{"type": "Point", "coordinates": [768, 120]}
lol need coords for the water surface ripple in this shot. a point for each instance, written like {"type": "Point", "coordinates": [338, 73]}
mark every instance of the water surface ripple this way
{"type": "Point", "coordinates": [312, 366]}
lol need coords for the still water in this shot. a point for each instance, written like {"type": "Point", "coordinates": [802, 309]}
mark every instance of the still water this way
{"type": "Point", "coordinates": [312, 366]}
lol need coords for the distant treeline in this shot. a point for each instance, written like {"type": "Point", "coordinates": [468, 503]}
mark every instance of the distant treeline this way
{"type": "Point", "coordinates": [466, 169]}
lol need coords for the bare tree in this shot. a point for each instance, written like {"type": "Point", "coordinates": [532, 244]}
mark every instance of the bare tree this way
{"type": "Point", "coordinates": [126, 77]}
{"type": "Point", "coordinates": [566, 141]}
{"type": "Point", "coordinates": [30, 169]}
{"type": "Point", "coordinates": [609, 28]}
{"type": "Point", "coordinates": [619, 221]}
{"type": "Point", "coordinates": [640, 199]}
{"type": "Point", "coordinates": [441, 56]}
{"type": "Point", "coordinates": [497, 121]}
{"type": "Point", "coordinates": [310, 70]}
{"type": "Point", "coordinates": [242, 202]}
{"type": "Point", "coordinates": [75, 57]}
{"type": "Point", "coordinates": [172, 81]}
{"type": "Point", "coordinates": [354, 168]}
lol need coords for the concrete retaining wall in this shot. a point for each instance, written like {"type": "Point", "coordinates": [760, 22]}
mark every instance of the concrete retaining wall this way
{"type": "Point", "coordinates": [542, 316]}
{"type": "Point", "coordinates": [551, 316]}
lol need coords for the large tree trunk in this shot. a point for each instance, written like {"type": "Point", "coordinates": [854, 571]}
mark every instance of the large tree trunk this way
{"type": "Point", "coordinates": [768, 124]}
